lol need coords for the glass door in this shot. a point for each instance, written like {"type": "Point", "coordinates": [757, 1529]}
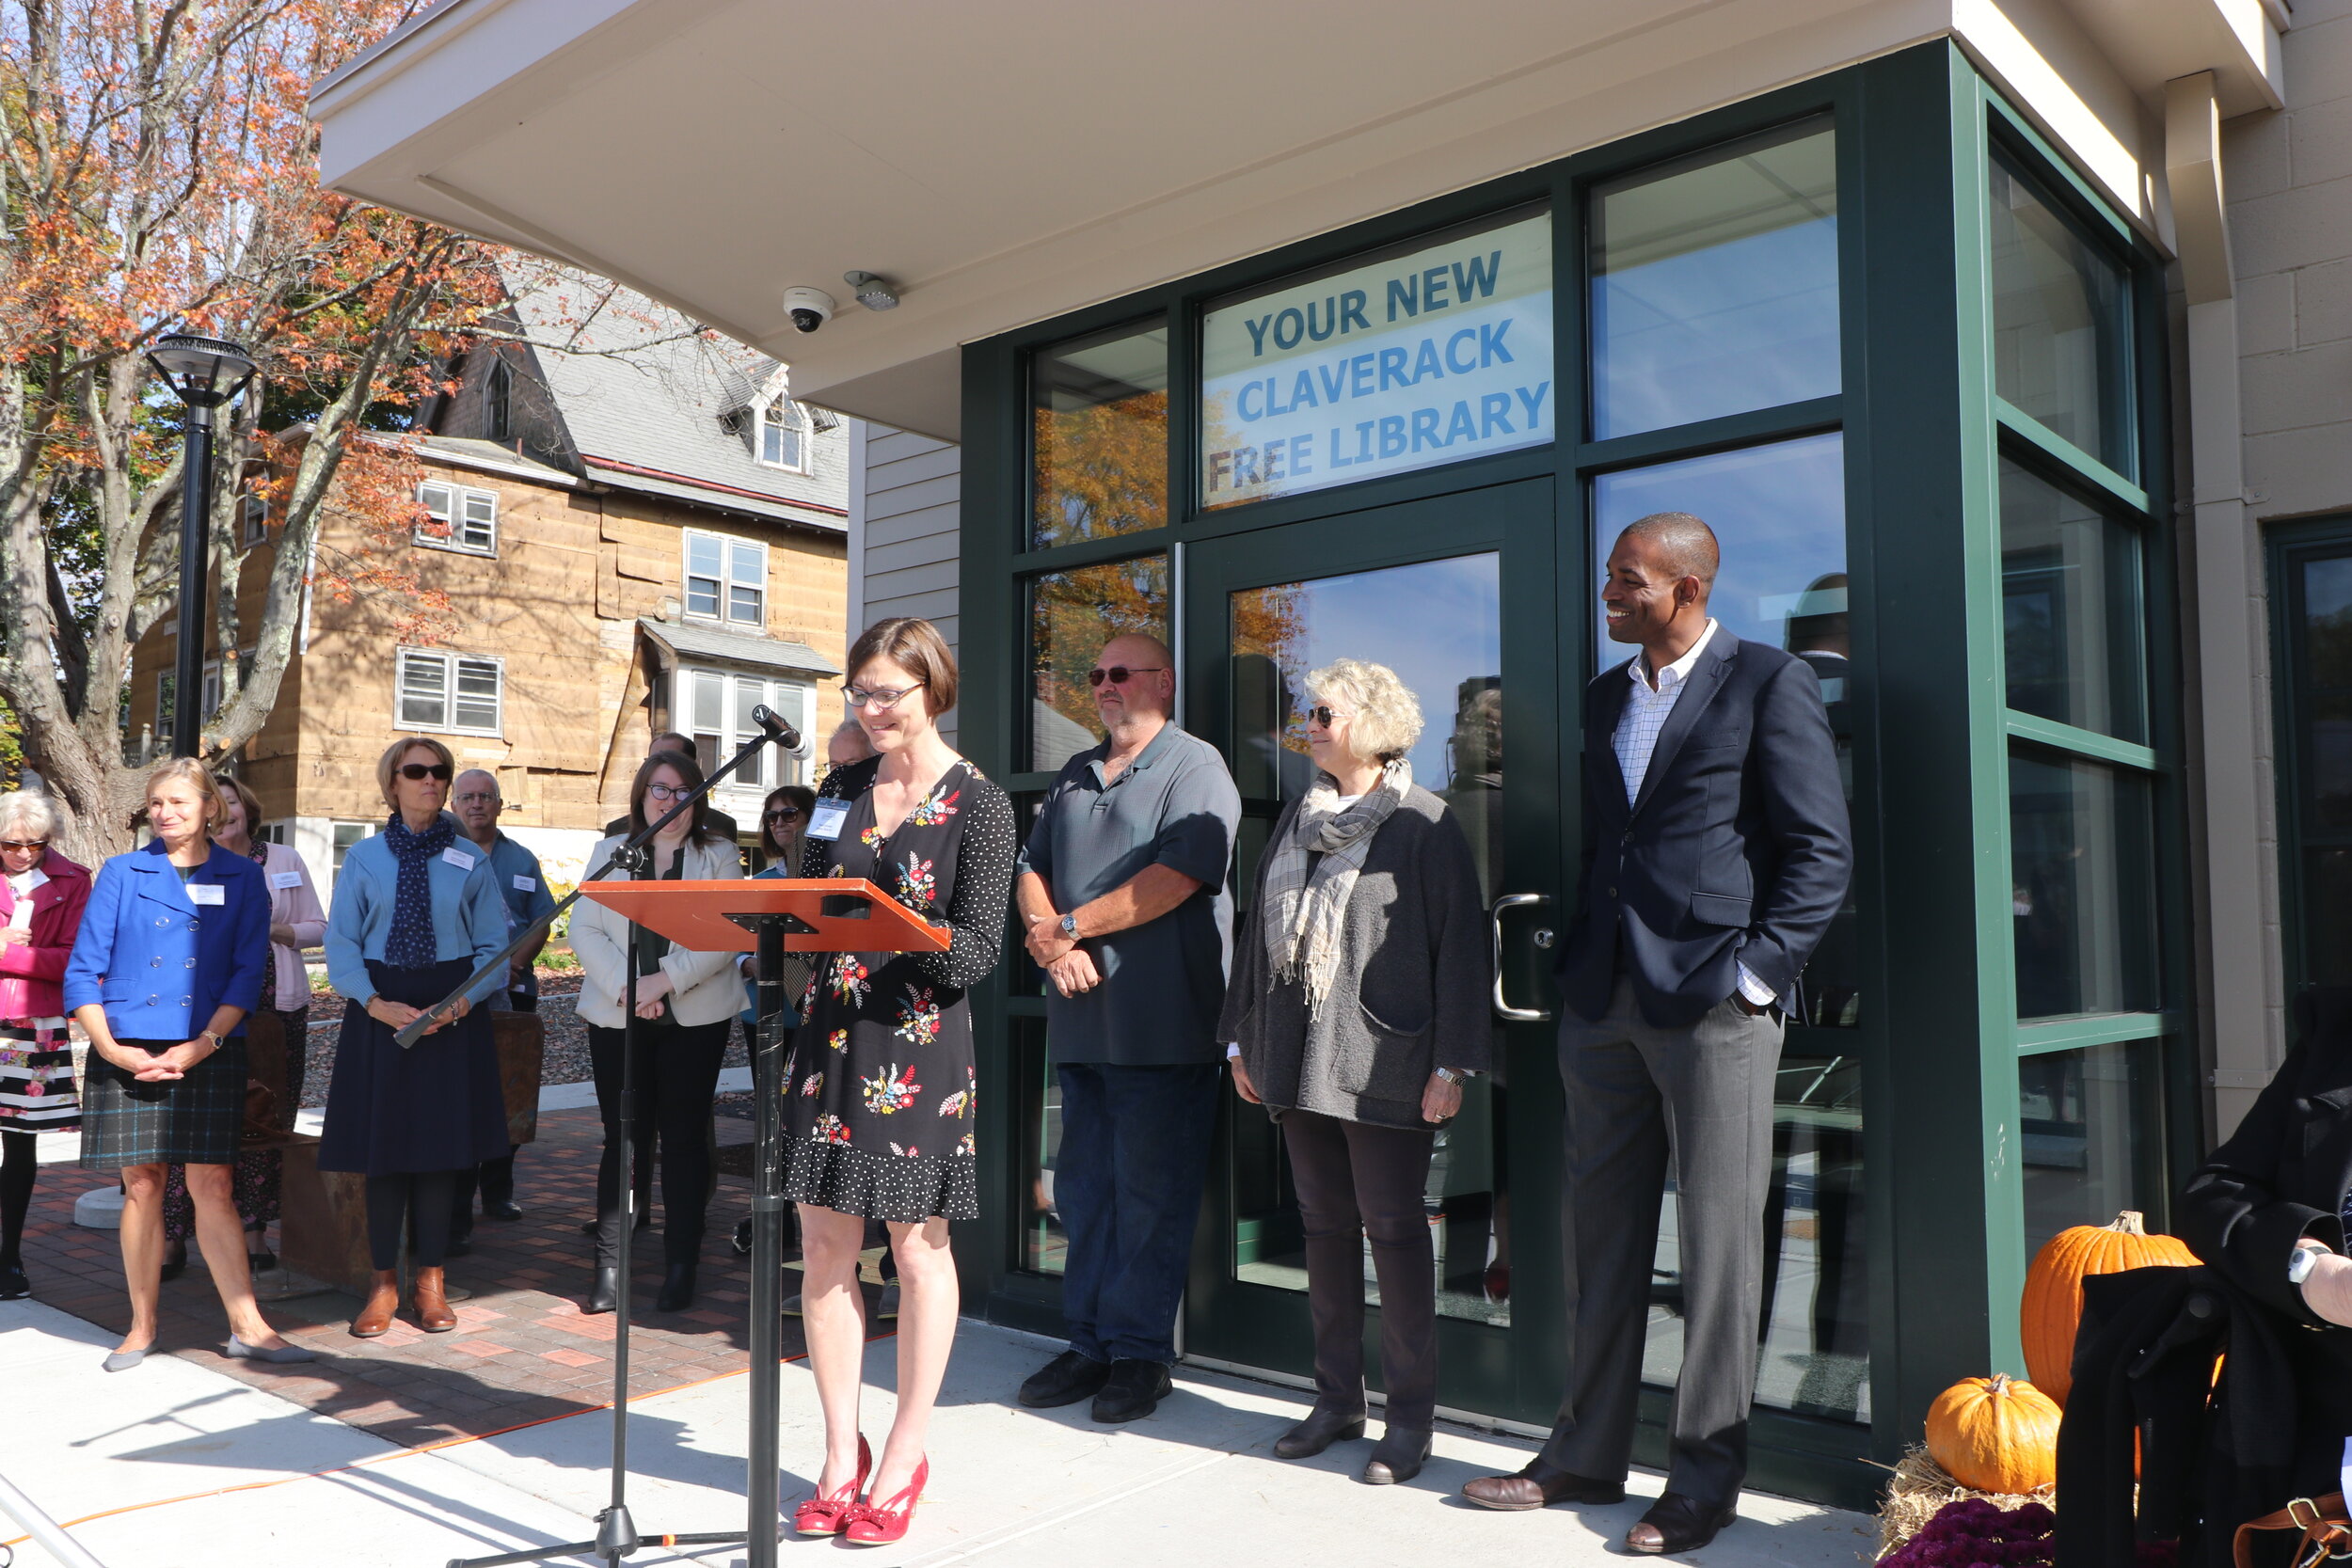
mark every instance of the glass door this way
{"type": "Point", "coordinates": [1457, 596]}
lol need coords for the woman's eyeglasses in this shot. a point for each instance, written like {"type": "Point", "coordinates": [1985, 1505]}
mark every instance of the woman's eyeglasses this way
{"type": "Point", "coordinates": [1322, 714]}
{"type": "Point", "coordinates": [664, 792]}
{"type": "Point", "coordinates": [884, 698]}
{"type": "Point", "coordinates": [22, 845]}
{"type": "Point", "coordinates": [425, 771]}
{"type": "Point", "coordinates": [783, 813]}
{"type": "Point", "coordinates": [1118, 674]}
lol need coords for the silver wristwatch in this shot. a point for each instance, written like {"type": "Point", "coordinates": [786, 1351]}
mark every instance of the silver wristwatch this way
{"type": "Point", "coordinates": [1070, 925]}
{"type": "Point", "coordinates": [1451, 1076]}
{"type": "Point", "coordinates": [2302, 1260]}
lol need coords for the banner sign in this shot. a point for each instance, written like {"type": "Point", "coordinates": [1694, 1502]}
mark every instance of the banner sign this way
{"type": "Point", "coordinates": [1432, 356]}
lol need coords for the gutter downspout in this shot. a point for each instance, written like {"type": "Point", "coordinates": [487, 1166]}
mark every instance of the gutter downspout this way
{"type": "Point", "coordinates": [2230, 629]}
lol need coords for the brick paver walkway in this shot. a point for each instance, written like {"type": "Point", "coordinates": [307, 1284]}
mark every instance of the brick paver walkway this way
{"type": "Point", "coordinates": [522, 1352]}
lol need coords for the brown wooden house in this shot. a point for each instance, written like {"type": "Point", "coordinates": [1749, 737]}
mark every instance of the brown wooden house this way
{"type": "Point", "coordinates": [638, 530]}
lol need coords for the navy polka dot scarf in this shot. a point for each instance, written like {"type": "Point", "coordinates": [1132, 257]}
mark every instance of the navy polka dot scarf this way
{"type": "Point", "coordinates": [409, 944]}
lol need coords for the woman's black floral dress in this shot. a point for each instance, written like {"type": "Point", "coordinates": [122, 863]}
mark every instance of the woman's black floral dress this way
{"type": "Point", "coordinates": [881, 1089]}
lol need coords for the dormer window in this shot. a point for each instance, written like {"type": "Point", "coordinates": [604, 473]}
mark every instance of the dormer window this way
{"type": "Point", "coordinates": [498, 402]}
{"type": "Point", "coordinates": [784, 434]}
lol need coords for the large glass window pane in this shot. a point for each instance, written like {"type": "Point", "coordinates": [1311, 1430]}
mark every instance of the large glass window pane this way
{"type": "Point", "coordinates": [2069, 608]}
{"type": "Point", "coordinates": [2082, 865]}
{"type": "Point", "coordinates": [2316, 692]}
{"type": "Point", "coordinates": [2090, 1126]}
{"type": "Point", "coordinates": [477, 694]}
{"type": "Point", "coordinates": [1100, 412]}
{"type": "Point", "coordinates": [1779, 513]}
{"type": "Point", "coordinates": [1072, 614]}
{"type": "Point", "coordinates": [1043, 1245]}
{"type": "Point", "coordinates": [2060, 339]}
{"type": "Point", "coordinates": [423, 691]}
{"type": "Point", "coordinates": [1449, 652]}
{"type": "Point", "coordinates": [1715, 283]}
{"type": "Point", "coordinates": [1436, 351]}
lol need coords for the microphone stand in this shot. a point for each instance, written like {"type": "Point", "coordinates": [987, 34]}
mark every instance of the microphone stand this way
{"type": "Point", "coordinates": [616, 1532]}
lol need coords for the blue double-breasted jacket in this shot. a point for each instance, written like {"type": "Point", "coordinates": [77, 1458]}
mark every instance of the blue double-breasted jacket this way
{"type": "Point", "coordinates": [161, 955]}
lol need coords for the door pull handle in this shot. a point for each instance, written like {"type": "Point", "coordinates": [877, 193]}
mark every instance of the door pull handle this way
{"type": "Point", "coordinates": [1502, 1007]}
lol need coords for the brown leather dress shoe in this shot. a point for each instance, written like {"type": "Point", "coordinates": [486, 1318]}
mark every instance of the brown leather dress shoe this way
{"type": "Point", "coordinates": [1678, 1524]}
{"type": "Point", "coordinates": [433, 1313]}
{"type": "Point", "coordinates": [1538, 1485]}
{"type": "Point", "coordinates": [375, 1313]}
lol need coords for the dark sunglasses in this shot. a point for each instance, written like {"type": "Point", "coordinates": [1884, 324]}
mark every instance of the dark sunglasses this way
{"type": "Point", "coordinates": [425, 771]}
{"type": "Point", "coordinates": [21, 844]}
{"type": "Point", "coordinates": [1322, 714]}
{"type": "Point", "coordinates": [1118, 673]}
{"type": "Point", "coordinates": [783, 813]}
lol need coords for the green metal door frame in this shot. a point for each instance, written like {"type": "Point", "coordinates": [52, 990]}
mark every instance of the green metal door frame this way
{"type": "Point", "coordinates": [1923, 434]}
{"type": "Point", "coordinates": [2284, 549]}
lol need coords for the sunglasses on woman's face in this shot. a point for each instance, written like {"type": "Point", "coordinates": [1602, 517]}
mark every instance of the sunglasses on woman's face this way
{"type": "Point", "coordinates": [1322, 714]}
{"type": "Point", "coordinates": [425, 771]}
{"type": "Point", "coordinates": [21, 847]}
{"type": "Point", "coordinates": [783, 814]}
{"type": "Point", "coordinates": [1118, 674]}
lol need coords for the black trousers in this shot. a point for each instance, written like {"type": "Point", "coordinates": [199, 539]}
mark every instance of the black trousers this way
{"type": "Point", "coordinates": [495, 1179]}
{"type": "Point", "coordinates": [422, 1200]}
{"type": "Point", "coordinates": [1356, 1181]}
{"type": "Point", "coordinates": [678, 1076]}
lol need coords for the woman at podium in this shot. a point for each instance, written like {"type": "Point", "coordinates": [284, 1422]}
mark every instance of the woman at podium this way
{"type": "Point", "coordinates": [879, 1107]}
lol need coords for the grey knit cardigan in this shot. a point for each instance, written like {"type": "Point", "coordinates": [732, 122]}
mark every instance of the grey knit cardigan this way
{"type": "Point", "coordinates": [1410, 995]}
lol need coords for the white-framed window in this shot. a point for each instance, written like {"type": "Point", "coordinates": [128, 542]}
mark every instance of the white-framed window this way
{"type": "Point", "coordinates": [458, 518]}
{"type": "Point", "coordinates": [252, 522]}
{"type": "Point", "coordinates": [715, 707]}
{"type": "Point", "coordinates": [461, 693]}
{"type": "Point", "coordinates": [726, 579]}
{"type": "Point", "coordinates": [784, 434]}
{"type": "Point", "coordinates": [166, 683]}
{"type": "Point", "coordinates": [348, 834]}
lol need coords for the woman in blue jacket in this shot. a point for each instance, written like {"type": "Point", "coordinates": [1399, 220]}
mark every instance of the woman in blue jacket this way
{"type": "Point", "coordinates": [167, 964]}
{"type": "Point", "coordinates": [416, 912]}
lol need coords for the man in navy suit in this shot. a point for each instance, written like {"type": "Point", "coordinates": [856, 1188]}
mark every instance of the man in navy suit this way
{"type": "Point", "coordinates": [1716, 850]}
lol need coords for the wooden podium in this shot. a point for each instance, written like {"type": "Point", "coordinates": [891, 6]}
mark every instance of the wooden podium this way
{"type": "Point", "coordinates": [768, 917]}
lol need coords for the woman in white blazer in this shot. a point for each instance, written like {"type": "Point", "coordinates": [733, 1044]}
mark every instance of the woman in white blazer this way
{"type": "Point", "coordinates": [685, 1004]}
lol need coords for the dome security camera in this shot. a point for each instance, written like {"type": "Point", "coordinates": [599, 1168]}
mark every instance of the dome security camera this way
{"type": "Point", "coordinates": [809, 309]}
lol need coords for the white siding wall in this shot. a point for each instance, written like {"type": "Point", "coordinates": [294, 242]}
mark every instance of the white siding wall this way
{"type": "Point", "coordinates": [904, 530]}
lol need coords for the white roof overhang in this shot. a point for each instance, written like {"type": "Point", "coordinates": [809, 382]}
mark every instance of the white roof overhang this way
{"type": "Point", "coordinates": [1005, 163]}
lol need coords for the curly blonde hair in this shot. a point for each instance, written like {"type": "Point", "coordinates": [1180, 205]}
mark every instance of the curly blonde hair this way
{"type": "Point", "coordinates": [1386, 714]}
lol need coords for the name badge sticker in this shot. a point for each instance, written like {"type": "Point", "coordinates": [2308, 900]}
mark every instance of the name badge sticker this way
{"type": "Point", "coordinates": [526, 884]}
{"type": "Point", "coordinates": [285, 878]}
{"type": "Point", "coordinates": [207, 893]}
{"type": "Point", "coordinates": [459, 859]}
{"type": "Point", "coordinates": [825, 822]}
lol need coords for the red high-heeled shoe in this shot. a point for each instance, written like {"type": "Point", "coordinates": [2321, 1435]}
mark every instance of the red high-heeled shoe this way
{"type": "Point", "coordinates": [872, 1524]}
{"type": "Point", "coordinates": [824, 1515]}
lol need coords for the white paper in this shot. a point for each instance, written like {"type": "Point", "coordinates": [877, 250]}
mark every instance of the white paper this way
{"type": "Point", "coordinates": [459, 859]}
{"type": "Point", "coordinates": [526, 884]}
{"type": "Point", "coordinates": [207, 893]}
{"type": "Point", "coordinates": [285, 878]}
{"type": "Point", "coordinates": [825, 822]}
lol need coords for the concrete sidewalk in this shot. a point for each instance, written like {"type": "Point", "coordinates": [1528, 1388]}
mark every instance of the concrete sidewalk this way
{"type": "Point", "coordinates": [1009, 1487]}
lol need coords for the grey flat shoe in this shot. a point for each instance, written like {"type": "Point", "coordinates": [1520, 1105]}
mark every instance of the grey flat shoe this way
{"type": "Point", "coordinates": [284, 1356]}
{"type": "Point", "coordinates": [123, 1360]}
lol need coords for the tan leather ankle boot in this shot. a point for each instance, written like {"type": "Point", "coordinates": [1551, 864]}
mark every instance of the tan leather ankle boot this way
{"type": "Point", "coordinates": [433, 1313]}
{"type": "Point", "coordinates": [376, 1314]}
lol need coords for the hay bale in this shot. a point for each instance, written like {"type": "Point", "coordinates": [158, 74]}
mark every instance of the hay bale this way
{"type": "Point", "coordinates": [1921, 1488]}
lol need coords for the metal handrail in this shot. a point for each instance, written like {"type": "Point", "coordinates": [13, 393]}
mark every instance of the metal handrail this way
{"type": "Point", "coordinates": [50, 1534]}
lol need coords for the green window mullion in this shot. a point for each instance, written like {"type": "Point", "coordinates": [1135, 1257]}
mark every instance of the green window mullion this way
{"type": "Point", "coordinates": [2071, 1034]}
{"type": "Point", "coordinates": [2022, 427]}
{"type": "Point", "coordinates": [2079, 743]}
{"type": "Point", "coordinates": [1091, 552]}
{"type": "Point", "coordinates": [2008, 125]}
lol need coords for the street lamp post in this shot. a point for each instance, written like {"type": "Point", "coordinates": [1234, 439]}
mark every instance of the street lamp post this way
{"type": "Point", "coordinates": [207, 373]}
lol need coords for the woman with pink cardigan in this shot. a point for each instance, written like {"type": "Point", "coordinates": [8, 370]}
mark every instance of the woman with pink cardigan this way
{"type": "Point", "coordinates": [42, 895]}
{"type": "Point", "coordinates": [297, 921]}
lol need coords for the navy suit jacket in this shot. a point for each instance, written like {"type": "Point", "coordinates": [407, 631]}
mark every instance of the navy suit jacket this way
{"type": "Point", "coordinates": [158, 961]}
{"type": "Point", "coordinates": [1736, 851]}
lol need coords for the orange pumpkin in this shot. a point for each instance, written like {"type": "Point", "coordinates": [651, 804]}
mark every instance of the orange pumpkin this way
{"type": "Point", "coordinates": [2053, 1304]}
{"type": "Point", "coordinates": [1994, 1434]}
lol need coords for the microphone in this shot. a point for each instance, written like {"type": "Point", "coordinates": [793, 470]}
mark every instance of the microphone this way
{"type": "Point", "coordinates": [778, 731]}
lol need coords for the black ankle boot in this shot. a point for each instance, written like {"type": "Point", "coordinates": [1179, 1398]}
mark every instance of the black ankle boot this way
{"type": "Point", "coordinates": [605, 1293]}
{"type": "Point", "coordinates": [678, 1288]}
{"type": "Point", "coordinates": [1319, 1431]}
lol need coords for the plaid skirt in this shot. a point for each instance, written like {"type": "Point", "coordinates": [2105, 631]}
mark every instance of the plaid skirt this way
{"type": "Point", "coordinates": [37, 1093]}
{"type": "Point", "coordinates": [195, 1120]}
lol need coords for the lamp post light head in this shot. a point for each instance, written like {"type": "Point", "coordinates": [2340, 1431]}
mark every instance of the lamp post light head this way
{"type": "Point", "coordinates": [205, 371]}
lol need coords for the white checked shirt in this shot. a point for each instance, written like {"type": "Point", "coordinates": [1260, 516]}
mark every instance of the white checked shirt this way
{"type": "Point", "coordinates": [1638, 728]}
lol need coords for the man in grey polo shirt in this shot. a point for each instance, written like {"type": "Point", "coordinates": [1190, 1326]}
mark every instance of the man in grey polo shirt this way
{"type": "Point", "coordinates": [1124, 889]}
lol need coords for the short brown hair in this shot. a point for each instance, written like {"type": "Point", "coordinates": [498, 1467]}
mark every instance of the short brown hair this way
{"type": "Point", "coordinates": [799, 795]}
{"type": "Point", "coordinates": [914, 645]}
{"type": "Point", "coordinates": [245, 798]}
{"type": "Point", "coordinates": [388, 764]}
{"type": "Point", "coordinates": [191, 771]}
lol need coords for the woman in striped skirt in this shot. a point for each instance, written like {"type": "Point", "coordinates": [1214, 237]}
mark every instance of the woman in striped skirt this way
{"type": "Point", "coordinates": [40, 910]}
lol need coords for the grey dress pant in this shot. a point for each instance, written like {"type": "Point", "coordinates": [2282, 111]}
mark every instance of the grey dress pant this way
{"type": "Point", "coordinates": [1637, 1097]}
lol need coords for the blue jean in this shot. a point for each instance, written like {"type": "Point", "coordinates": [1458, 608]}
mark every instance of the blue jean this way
{"type": "Point", "coordinates": [1135, 1154]}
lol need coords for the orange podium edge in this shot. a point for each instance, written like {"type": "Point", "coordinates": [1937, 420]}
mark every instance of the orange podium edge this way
{"type": "Point", "coordinates": [844, 915]}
